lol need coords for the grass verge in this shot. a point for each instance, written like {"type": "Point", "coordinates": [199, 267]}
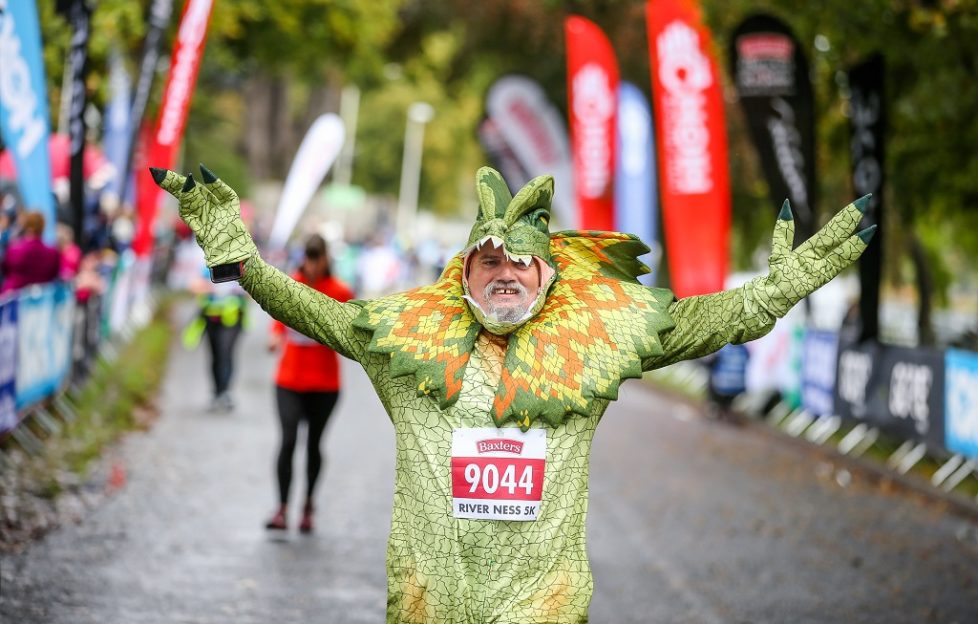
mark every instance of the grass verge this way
{"type": "Point", "coordinates": [118, 397]}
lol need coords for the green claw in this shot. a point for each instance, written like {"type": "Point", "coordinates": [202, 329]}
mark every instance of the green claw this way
{"type": "Point", "coordinates": [863, 202]}
{"type": "Point", "coordinates": [158, 174]}
{"type": "Point", "coordinates": [189, 184]}
{"type": "Point", "coordinates": [785, 214]}
{"type": "Point", "coordinates": [207, 175]}
{"type": "Point", "coordinates": [867, 234]}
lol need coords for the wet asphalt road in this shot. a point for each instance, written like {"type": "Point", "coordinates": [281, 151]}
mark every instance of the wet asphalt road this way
{"type": "Point", "coordinates": [690, 522]}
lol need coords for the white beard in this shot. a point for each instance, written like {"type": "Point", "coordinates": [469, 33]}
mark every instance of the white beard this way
{"type": "Point", "coordinates": [510, 313]}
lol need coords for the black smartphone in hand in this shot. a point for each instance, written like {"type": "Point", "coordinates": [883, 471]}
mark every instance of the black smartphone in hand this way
{"type": "Point", "coordinates": [227, 272]}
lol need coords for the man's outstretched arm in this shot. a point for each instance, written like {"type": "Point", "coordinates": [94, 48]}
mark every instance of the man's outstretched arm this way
{"type": "Point", "coordinates": [213, 213]}
{"type": "Point", "coordinates": [707, 322]}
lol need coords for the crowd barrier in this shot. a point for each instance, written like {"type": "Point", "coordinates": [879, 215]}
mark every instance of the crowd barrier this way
{"type": "Point", "coordinates": [49, 341]}
{"type": "Point", "coordinates": [928, 397]}
{"type": "Point", "coordinates": [922, 401]}
{"type": "Point", "coordinates": [36, 329]}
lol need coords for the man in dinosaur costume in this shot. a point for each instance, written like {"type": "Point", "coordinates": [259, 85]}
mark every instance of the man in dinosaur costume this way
{"type": "Point", "coordinates": [496, 376]}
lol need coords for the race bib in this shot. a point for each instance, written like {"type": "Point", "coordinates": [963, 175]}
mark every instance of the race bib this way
{"type": "Point", "coordinates": [497, 474]}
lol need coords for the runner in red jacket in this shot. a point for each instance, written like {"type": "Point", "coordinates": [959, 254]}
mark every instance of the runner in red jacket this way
{"type": "Point", "coordinates": [307, 386]}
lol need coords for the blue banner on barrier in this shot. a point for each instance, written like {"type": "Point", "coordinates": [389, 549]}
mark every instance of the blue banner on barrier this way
{"type": "Point", "coordinates": [45, 317]}
{"type": "Point", "coordinates": [818, 371]}
{"type": "Point", "coordinates": [8, 364]}
{"type": "Point", "coordinates": [961, 402]}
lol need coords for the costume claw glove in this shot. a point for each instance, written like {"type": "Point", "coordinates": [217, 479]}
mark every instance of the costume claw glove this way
{"type": "Point", "coordinates": [796, 273]}
{"type": "Point", "coordinates": [213, 213]}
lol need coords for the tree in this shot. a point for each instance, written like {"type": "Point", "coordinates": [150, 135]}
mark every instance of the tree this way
{"type": "Point", "coordinates": [271, 67]}
{"type": "Point", "coordinates": [931, 52]}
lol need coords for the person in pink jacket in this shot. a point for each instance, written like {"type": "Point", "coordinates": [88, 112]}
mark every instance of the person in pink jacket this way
{"type": "Point", "coordinates": [29, 260]}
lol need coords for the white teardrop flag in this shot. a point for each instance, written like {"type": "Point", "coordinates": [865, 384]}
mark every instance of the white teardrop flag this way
{"type": "Point", "coordinates": [316, 155]}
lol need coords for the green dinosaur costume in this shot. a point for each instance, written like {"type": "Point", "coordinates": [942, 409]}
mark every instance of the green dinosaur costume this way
{"type": "Point", "coordinates": [495, 420]}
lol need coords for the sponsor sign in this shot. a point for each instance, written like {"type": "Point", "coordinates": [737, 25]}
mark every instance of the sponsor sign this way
{"type": "Point", "coordinates": [497, 474]}
{"type": "Point", "coordinates": [867, 124]}
{"type": "Point", "coordinates": [317, 153]}
{"type": "Point", "coordinates": [165, 141]}
{"type": "Point", "coordinates": [45, 318]}
{"type": "Point", "coordinates": [636, 195]}
{"type": "Point", "coordinates": [8, 363]}
{"type": "Point", "coordinates": [961, 402]}
{"type": "Point", "coordinates": [770, 73]}
{"type": "Point", "coordinates": [78, 14]}
{"type": "Point", "coordinates": [913, 392]}
{"type": "Point", "coordinates": [857, 380]}
{"type": "Point", "coordinates": [115, 139]}
{"type": "Point", "coordinates": [691, 135]}
{"type": "Point", "coordinates": [897, 389]}
{"type": "Point", "coordinates": [24, 106]}
{"type": "Point", "coordinates": [535, 132]}
{"type": "Point", "coordinates": [592, 87]}
{"type": "Point", "coordinates": [775, 359]}
{"type": "Point", "coordinates": [818, 362]}
{"type": "Point", "coordinates": [158, 19]}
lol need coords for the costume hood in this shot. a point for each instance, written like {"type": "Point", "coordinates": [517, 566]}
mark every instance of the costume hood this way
{"type": "Point", "coordinates": [521, 226]}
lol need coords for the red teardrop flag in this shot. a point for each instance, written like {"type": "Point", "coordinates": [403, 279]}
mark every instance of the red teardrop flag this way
{"type": "Point", "coordinates": [692, 143]}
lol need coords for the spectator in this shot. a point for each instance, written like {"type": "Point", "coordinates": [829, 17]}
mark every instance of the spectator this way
{"type": "Point", "coordinates": [728, 376]}
{"type": "Point", "coordinates": [8, 223]}
{"type": "Point", "coordinates": [29, 260]}
{"type": "Point", "coordinates": [89, 286]}
{"type": "Point", "coordinates": [70, 252]}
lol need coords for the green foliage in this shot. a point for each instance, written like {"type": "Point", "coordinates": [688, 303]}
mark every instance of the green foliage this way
{"type": "Point", "coordinates": [216, 118]}
{"type": "Point", "coordinates": [119, 24]}
{"type": "Point", "coordinates": [447, 53]}
{"type": "Point", "coordinates": [305, 37]}
{"type": "Point", "coordinates": [451, 156]}
{"type": "Point", "coordinates": [931, 55]}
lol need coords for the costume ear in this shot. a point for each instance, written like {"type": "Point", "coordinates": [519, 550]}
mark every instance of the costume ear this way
{"type": "Point", "coordinates": [540, 219]}
{"type": "Point", "coordinates": [494, 195]}
{"type": "Point", "coordinates": [533, 201]}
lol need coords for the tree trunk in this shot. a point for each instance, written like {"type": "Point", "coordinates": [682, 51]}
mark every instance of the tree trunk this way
{"type": "Point", "coordinates": [925, 293]}
{"type": "Point", "coordinates": [256, 132]}
{"type": "Point", "coordinates": [272, 133]}
{"type": "Point", "coordinates": [281, 143]}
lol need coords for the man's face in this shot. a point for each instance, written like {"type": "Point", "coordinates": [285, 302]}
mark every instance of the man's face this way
{"type": "Point", "coordinates": [504, 289]}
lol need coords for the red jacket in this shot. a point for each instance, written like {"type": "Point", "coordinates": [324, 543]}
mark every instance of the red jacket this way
{"type": "Point", "coordinates": [306, 365]}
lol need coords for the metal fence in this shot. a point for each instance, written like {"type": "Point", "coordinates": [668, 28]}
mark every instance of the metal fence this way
{"type": "Point", "coordinates": [50, 340]}
{"type": "Point", "coordinates": [907, 404]}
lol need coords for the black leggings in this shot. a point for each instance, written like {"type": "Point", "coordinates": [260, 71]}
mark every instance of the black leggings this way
{"type": "Point", "coordinates": [222, 340]}
{"type": "Point", "coordinates": [314, 408]}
